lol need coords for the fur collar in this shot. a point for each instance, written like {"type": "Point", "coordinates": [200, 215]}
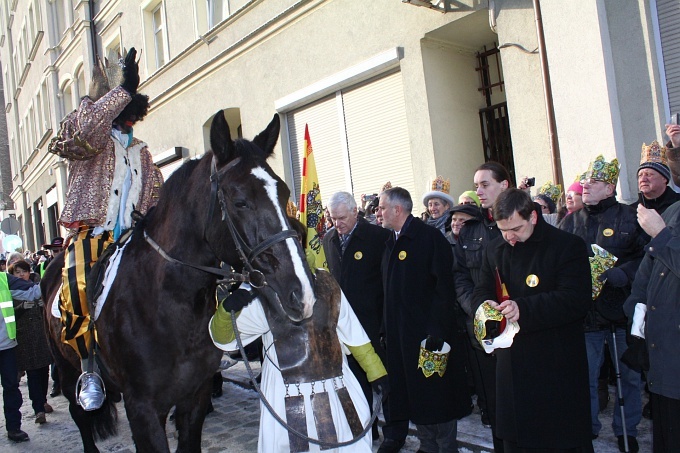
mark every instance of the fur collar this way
{"type": "Point", "coordinates": [124, 159]}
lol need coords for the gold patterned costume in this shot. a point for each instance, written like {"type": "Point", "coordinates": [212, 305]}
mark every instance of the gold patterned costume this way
{"type": "Point", "coordinates": [92, 210]}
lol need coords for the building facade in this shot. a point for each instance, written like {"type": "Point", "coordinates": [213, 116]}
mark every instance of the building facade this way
{"type": "Point", "coordinates": [391, 90]}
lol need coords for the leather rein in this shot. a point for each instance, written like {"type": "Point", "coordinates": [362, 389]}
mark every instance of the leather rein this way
{"type": "Point", "coordinates": [246, 254]}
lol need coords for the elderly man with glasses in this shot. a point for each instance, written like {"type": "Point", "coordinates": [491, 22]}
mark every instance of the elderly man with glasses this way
{"type": "Point", "coordinates": [613, 226]}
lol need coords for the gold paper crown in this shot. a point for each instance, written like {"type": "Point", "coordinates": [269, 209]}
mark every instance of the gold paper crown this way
{"type": "Point", "coordinates": [387, 186]}
{"type": "Point", "coordinates": [653, 153]}
{"type": "Point", "coordinates": [601, 170]}
{"type": "Point", "coordinates": [552, 191]}
{"type": "Point", "coordinates": [441, 185]}
{"type": "Point", "coordinates": [580, 177]}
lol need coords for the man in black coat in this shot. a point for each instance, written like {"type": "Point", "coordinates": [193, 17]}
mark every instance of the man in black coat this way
{"type": "Point", "coordinates": [613, 226]}
{"type": "Point", "coordinates": [419, 293]}
{"type": "Point", "coordinates": [354, 250]}
{"type": "Point", "coordinates": [654, 308]}
{"type": "Point", "coordinates": [542, 398]}
{"type": "Point", "coordinates": [653, 178]}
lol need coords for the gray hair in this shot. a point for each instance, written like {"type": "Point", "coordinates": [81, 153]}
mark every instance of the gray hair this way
{"type": "Point", "coordinates": [14, 257]}
{"type": "Point", "coordinates": [399, 196]}
{"type": "Point", "coordinates": [339, 198]}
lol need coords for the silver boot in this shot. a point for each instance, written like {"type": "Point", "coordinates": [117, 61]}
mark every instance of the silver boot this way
{"type": "Point", "coordinates": [90, 391]}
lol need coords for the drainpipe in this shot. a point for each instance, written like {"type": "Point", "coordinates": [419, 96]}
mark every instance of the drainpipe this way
{"type": "Point", "coordinates": [93, 33]}
{"type": "Point", "coordinates": [547, 93]}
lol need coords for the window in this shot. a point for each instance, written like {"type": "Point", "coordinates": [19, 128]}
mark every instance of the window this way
{"type": "Point", "coordinates": [218, 10]}
{"type": "Point", "coordinates": [158, 35]}
{"type": "Point", "coordinates": [67, 98]}
{"type": "Point", "coordinates": [80, 89]}
{"type": "Point", "coordinates": [46, 114]}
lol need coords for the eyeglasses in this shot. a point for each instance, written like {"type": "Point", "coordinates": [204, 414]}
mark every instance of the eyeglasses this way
{"type": "Point", "coordinates": [467, 202]}
{"type": "Point", "coordinates": [591, 181]}
{"type": "Point", "coordinates": [545, 208]}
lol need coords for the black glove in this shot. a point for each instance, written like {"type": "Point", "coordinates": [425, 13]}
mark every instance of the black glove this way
{"type": "Point", "coordinates": [237, 300]}
{"type": "Point", "coordinates": [381, 386]}
{"type": "Point", "coordinates": [131, 72]}
{"type": "Point", "coordinates": [434, 344]}
{"type": "Point", "coordinates": [615, 276]}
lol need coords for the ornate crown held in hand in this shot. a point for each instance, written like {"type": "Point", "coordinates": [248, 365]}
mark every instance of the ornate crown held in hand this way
{"type": "Point", "coordinates": [554, 191]}
{"type": "Point", "coordinates": [601, 170]}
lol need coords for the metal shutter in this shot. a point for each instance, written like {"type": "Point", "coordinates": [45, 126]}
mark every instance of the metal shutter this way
{"type": "Point", "coordinates": [377, 136]}
{"type": "Point", "coordinates": [669, 24]}
{"type": "Point", "coordinates": [326, 134]}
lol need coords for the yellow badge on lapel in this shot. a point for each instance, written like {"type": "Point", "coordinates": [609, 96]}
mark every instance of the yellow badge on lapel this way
{"type": "Point", "coordinates": [608, 232]}
{"type": "Point", "coordinates": [402, 255]}
{"type": "Point", "coordinates": [532, 281]}
{"type": "Point", "coordinates": [358, 256]}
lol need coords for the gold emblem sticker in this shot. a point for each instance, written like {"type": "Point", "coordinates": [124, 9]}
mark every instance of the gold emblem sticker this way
{"type": "Point", "coordinates": [608, 232]}
{"type": "Point", "coordinates": [358, 256]}
{"type": "Point", "coordinates": [402, 255]}
{"type": "Point", "coordinates": [532, 281]}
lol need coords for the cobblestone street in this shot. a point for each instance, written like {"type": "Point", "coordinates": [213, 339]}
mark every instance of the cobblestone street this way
{"type": "Point", "coordinates": [233, 427]}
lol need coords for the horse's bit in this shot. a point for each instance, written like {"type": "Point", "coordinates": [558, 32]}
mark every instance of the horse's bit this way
{"type": "Point", "coordinates": [251, 275]}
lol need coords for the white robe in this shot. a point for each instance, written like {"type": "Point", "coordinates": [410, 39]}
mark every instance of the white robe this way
{"type": "Point", "coordinates": [252, 323]}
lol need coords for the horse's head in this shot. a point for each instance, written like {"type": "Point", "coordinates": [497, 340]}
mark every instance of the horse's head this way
{"type": "Point", "coordinates": [252, 200]}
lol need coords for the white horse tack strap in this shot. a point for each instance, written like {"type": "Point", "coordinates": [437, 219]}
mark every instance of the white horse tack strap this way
{"type": "Point", "coordinates": [109, 277]}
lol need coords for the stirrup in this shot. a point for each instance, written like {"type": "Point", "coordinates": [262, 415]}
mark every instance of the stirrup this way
{"type": "Point", "coordinates": [90, 391]}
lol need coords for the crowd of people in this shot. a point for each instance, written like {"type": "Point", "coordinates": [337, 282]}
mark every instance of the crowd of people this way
{"type": "Point", "coordinates": [505, 296]}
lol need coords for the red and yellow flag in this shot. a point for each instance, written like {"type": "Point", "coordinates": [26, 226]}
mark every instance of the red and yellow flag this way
{"type": "Point", "coordinates": [311, 210]}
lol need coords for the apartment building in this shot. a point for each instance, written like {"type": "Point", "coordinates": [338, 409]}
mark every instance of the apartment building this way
{"type": "Point", "coordinates": [392, 90]}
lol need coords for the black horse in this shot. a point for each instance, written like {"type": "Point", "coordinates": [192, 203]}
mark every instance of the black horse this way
{"type": "Point", "coordinates": [229, 206]}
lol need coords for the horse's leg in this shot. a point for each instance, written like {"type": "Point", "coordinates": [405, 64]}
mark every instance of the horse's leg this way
{"type": "Point", "coordinates": [148, 431]}
{"type": "Point", "coordinates": [189, 418]}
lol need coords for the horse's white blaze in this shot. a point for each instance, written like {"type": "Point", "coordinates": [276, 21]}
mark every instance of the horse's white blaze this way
{"type": "Point", "coordinates": [308, 299]}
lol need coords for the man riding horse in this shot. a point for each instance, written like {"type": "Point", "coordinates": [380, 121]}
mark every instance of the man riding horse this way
{"type": "Point", "coordinates": [111, 174]}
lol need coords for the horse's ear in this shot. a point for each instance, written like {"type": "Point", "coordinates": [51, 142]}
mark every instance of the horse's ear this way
{"type": "Point", "coordinates": [220, 139]}
{"type": "Point", "coordinates": [266, 139]}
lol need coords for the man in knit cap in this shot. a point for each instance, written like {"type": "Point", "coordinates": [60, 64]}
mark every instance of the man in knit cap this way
{"type": "Point", "coordinates": [653, 178]}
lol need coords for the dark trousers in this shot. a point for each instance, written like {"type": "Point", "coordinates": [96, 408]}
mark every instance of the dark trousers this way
{"type": "Point", "coordinates": [666, 423]}
{"type": "Point", "coordinates": [487, 373]}
{"type": "Point", "coordinates": [511, 447]}
{"type": "Point", "coordinates": [11, 395]}
{"type": "Point", "coordinates": [54, 371]}
{"type": "Point", "coordinates": [438, 438]}
{"type": "Point", "coordinates": [37, 387]}
{"type": "Point", "coordinates": [396, 430]}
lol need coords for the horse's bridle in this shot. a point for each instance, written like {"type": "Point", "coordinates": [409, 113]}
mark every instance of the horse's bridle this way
{"type": "Point", "coordinates": [246, 254]}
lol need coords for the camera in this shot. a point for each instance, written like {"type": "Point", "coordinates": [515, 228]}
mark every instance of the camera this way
{"type": "Point", "coordinates": [370, 198]}
{"type": "Point", "coordinates": [530, 182]}
{"type": "Point", "coordinates": [675, 119]}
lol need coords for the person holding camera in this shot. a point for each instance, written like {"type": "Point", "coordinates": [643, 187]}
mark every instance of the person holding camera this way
{"type": "Point", "coordinates": [614, 227]}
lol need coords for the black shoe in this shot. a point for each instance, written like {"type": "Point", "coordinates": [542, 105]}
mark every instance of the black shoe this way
{"type": "Point", "coordinates": [17, 436]}
{"type": "Point", "coordinates": [56, 391]}
{"type": "Point", "coordinates": [633, 446]}
{"type": "Point", "coordinates": [391, 446]}
{"type": "Point", "coordinates": [647, 411]}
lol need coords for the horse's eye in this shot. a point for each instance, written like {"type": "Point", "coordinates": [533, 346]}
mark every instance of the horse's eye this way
{"type": "Point", "coordinates": [241, 204]}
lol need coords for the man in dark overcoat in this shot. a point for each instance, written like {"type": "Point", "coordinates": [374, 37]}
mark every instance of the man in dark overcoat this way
{"type": "Point", "coordinates": [354, 250]}
{"type": "Point", "coordinates": [542, 378]}
{"type": "Point", "coordinates": [419, 293]}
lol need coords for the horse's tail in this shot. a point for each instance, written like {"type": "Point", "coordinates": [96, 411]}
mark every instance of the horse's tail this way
{"type": "Point", "coordinates": [105, 420]}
